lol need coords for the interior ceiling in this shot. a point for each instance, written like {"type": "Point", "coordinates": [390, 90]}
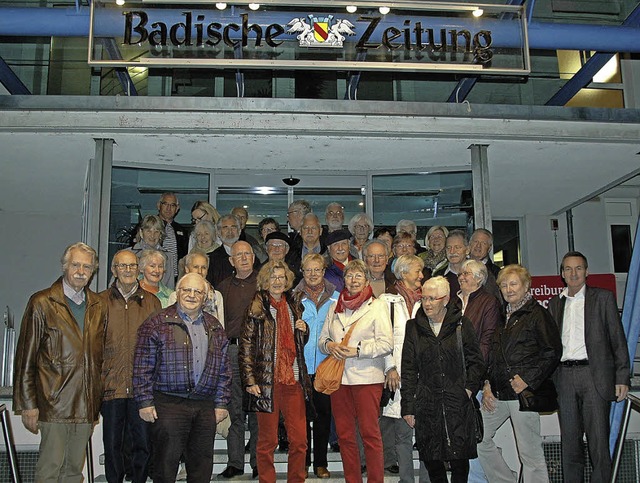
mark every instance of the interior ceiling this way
{"type": "Point", "coordinates": [526, 177]}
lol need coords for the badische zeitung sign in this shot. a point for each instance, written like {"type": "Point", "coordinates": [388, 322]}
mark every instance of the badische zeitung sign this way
{"type": "Point", "coordinates": [411, 36]}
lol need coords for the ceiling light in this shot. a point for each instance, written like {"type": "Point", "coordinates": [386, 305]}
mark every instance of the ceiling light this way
{"type": "Point", "coordinates": [120, 2]}
{"type": "Point", "coordinates": [384, 10]}
{"type": "Point", "coordinates": [351, 8]}
{"type": "Point", "coordinates": [221, 5]}
{"type": "Point", "coordinates": [478, 12]}
{"type": "Point", "coordinates": [254, 6]}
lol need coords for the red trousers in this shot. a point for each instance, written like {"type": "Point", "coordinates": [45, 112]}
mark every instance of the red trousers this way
{"type": "Point", "coordinates": [361, 404]}
{"type": "Point", "coordinates": [290, 401]}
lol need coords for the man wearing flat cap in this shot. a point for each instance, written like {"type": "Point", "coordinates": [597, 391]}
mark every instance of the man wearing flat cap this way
{"type": "Point", "coordinates": [338, 247]}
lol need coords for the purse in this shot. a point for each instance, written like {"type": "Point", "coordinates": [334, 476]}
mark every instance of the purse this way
{"type": "Point", "coordinates": [543, 400]}
{"type": "Point", "coordinates": [479, 424]}
{"type": "Point", "coordinates": [329, 371]}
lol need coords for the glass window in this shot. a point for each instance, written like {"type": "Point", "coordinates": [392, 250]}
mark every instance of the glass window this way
{"type": "Point", "coordinates": [621, 243]}
{"type": "Point", "coordinates": [426, 198]}
{"type": "Point", "coordinates": [506, 242]}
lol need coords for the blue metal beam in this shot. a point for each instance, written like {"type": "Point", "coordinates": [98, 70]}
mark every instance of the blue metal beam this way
{"type": "Point", "coordinates": [583, 77]}
{"type": "Point", "coordinates": [125, 79]}
{"type": "Point", "coordinates": [11, 81]}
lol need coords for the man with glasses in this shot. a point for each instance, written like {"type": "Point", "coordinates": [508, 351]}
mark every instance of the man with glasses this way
{"type": "Point", "coordinates": [228, 227]}
{"type": "Point", "coordinates": [182, 382]}
{"type": "Point", "coordinates": [295, 215]}
{"type": "Point", "coordinates": [479, 247]}
{"type": "Point", "coordinates": [176, 239]}
{"type": "Point", "coordinates": [60, 352]}
{"type": "Point", "coordinates": [237, 293]}
{"type": "Point", "coordinates": [457, 247]}
{"type": "Point", "coordinates": [334, 217]}
{"type": "Point", "coordinates": [129, 306]}
{"type": "Point", "coordinates": [277, 244]}
{"type": "Point", "coordinates": [338, 257]}
{"type": "Point", "coordinates": [375, 257]}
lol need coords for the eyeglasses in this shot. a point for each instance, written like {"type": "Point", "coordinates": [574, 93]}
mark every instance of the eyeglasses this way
{"type": "Point", "coordinates": [126, 266]}
{"type": "Point", "coordinates": [193, 291]}
{"type": "Point", "coordinates": [277, 278]}
{"type": "Point", "coordinates": [354, 276]}
{"type": "Point", "coordinates": [196, 219]}
{"type": "Point", "coordinates": [311, 228]}
{"type": "Point", "coordinates": [406, 246]}
{"type": "Point", "coordinates": [335, 213]}
{"type": "Point", "coordinates": [314, 271]}
{"type": "Point", "coordinates": [430, 300]}
{"type": "Point", "coordinates": [362, 227]}
{"type": "Point", "coordinates": [376, 257]}
{"type": "Point", "coordinates": [276, 245]}
{"type": "Point", "coordinates": [170, 205]}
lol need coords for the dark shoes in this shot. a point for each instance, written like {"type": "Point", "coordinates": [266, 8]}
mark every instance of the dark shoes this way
{"type": "Point", "coordinates": [393, 469]}
{"type": "Point", "coordinates": [232, 472]}
{"type": "Point", "coordinates": [283, 446]}
{"type": "Point", "coordinates": [322, 472]}
{"type": "Point", "coordinates": [254, 473]}
{"type": "Point", "coordinates": [335, 447]}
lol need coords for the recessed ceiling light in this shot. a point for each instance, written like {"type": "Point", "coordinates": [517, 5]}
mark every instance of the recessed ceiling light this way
{"type": "Point", "coordinates": [221, 5]}
{"type": "Point", "coordinates": [254, 6]}
{"type": "Point", "coordinates": [352, 8]}
{"type": "Point", "coordinates": [384, 10]}
{"type": "Point", "coordinates": [478, 12]}
{"type": "Point", "coordinates": [120, 2]}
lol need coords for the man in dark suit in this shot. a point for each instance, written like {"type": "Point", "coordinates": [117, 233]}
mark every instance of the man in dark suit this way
{"type": "Point", "coordinates": [593, 371]}
{"type": "Point", "coordinates": [176, 239]}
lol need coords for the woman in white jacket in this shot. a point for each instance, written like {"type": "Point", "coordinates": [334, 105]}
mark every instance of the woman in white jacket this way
{"type": "Point", "coordinates": [357, 401]}
{"type": "Point", "coordinates": [397, 436]}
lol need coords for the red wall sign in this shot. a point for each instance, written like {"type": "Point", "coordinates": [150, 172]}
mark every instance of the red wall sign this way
{"type": "Point", "coordinates": [544, 287]}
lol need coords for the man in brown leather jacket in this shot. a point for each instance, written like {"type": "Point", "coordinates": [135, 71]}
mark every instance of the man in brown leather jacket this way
{"type": "Point", "coordinates": [58, 384]}
{"type": "Point", "coordinates": [129, 306]}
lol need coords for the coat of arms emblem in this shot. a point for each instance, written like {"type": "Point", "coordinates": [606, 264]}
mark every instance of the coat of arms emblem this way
{"type": "Point", "coordinates": [320, 31]}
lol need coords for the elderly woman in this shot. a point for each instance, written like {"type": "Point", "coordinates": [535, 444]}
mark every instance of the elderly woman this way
{"type": "Point", "coordinates": [357, 401]}
{"type": "Point", "coordinates": [152, 265]}
{"type": "Point", "coordinates": [316, 295]}
{"type": "Point", "coordinates": [360, 227]}
{"type": "Point", "coordinates": [205, 235]}
{"type": "Point", "coordinates": [436, 387]}
{"type": "Point", "coordinates": [435, 257]}
{"type": "Point", "coordinates": [525, 352]}
{"type": "Point", "coordinates": [150, 236]}
{"type": "Point", "coordinates": [386, 235]}
{"type": "Point", "coordinates": [266, 226]}
{"type": "Point", "coordinates": [482, 308]}
{"type": "Point", "coordinates": [397, 435]}
{"type": "Point", "coordinates": [202, 211]}
{"type": "Point", "coordinates": [273, 369]}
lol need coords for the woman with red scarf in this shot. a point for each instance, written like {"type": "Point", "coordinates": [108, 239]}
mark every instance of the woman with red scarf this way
{"type": "Point", "coordinates": [357, 402]}
{"type": "Point", "coordinates": [273, 370]}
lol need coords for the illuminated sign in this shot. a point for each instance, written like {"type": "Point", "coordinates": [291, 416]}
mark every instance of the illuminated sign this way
{"type": "Point", "coordinates": [413, 36]}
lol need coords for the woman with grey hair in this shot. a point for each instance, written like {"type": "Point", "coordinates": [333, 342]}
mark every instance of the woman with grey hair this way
{"type": "Point", "coordinates": [482, 308]}
{"type": "Point", "coordinates": [150, 237]}
{"type": "Point", "coordinates": [397, 435]}
{"type": "Point", "coordinates": [151, 264]}
{"type": "Point", "coordinates": [360, 227]}
{"type": "Point", "coordinates": [435, 257]}
{"type": "Point", "coordinates": [357, 400]}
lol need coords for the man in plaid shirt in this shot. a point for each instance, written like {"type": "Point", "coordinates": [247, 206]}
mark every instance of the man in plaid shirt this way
{"type": "Point", "coordinates": [181, 381]}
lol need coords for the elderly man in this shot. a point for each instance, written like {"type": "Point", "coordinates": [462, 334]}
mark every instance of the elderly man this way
{"type": "Point", "coordinates": [182, 382]}
{"type": "Point", "coordinates": [375, 257]}
{"type": "Point", "coordinates": [277, 245]}
{"type": "Point", "coordinates": [176, 237]}
{"type": "Point", "coordinates": [237, 292]}
{"type": "Point", "coordinates": [243, 215]}
{"type": "Point", "coordinates": [197, 261]}
{"type": "Point", "coordinates": [457, 247]}
{"type": "Point", "coordinates": [334, 217]}
{"type": "Point", "coordinates": [295, 215]}
{"type": "Point", "coordinates": [338, 248]}
{"type": "Point", "coordinates": [311, 243]}
{"type": "Point", "coordinates": [229, 232]}
{"type": "Point", "coordinates": [594, 368]}
{"type": "Point", "coordinates": [129, 306]}
{"type": "Point", "coordinates": [479, 247]}
{"type": "Point", "coordinates": [65, 322]}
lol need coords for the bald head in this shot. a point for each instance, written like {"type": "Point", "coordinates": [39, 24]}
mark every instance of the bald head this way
{"type": "Point", "coordinates": [192, 294]}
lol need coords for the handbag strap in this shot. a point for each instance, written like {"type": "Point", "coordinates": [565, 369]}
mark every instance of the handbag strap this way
{"type": "Point", "coordinates": [459, 337]}
{"type": "Point", "coordinates": [345, 341]}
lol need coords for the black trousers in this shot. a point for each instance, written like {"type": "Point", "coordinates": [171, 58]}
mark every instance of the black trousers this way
{"type": "Point", "coordinates": [321, 429]}
{"type": "Point", "coordinates": [438, 472]}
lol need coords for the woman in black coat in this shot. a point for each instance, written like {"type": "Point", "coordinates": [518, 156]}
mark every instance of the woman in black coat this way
{"type": "Point", "coordinates": [436, 398]}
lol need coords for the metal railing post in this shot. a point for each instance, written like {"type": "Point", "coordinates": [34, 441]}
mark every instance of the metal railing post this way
{"type": "Point", "coordinates": [90, 475]}
{"type": "Point", "coordinates": [8, 442]}
{"type": "Point", "coordinates": [631, 402]}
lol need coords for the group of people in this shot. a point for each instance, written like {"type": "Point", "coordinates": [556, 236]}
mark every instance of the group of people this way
{"type": "Point", "coordinates": [424, 332]}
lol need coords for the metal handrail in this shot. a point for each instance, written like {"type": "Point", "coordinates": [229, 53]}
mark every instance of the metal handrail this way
{"type": "Point", "coordinates": [631, 402]}
{"type": "Point", "coordinates": [9, 444]}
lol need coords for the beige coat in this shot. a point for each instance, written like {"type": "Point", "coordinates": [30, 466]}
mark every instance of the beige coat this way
{"type": "Point", "coordinates": [374, 335]}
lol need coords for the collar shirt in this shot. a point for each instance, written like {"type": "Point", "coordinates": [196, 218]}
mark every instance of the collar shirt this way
{"type": "Point", "coordinates": [126, 296]}
{"type": "Point", "coordinates": [463, 303]}
{"type": "Point", "coordinates": [76, 297]}
{"type": "Point", "coordinates": [227, 249]}
{"type": "Point", "coordinates": [306, 251]}
{"type": "Point", "coordinates": [573, 344]}
{"type": "Point", "coordinates": [448, 270]}
{"type": "Point", "coordinates": [199, 342]}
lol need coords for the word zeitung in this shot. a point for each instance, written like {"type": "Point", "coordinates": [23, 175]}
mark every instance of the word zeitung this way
{"type": "Point", "coordinates": [138, 29]}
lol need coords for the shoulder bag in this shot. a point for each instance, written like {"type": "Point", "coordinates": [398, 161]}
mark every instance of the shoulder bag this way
{"type": "Point", "coordinates": [329, 371]}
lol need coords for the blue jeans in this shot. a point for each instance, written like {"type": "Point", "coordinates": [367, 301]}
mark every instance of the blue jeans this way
{"type": "Point", "coordinates": [120, 415]}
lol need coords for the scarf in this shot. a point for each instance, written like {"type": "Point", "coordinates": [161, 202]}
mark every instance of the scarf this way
{"type": "Point", "coordinates": [410, 296]}
{"type": "Point", "coordinates": [313, 293]}
{"type": "Point", "coordinates": [285, 344]}
{"type": "Point", "coordinates": [512, 308]}
{"type": "Point", "coordinates": [353, 302]}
